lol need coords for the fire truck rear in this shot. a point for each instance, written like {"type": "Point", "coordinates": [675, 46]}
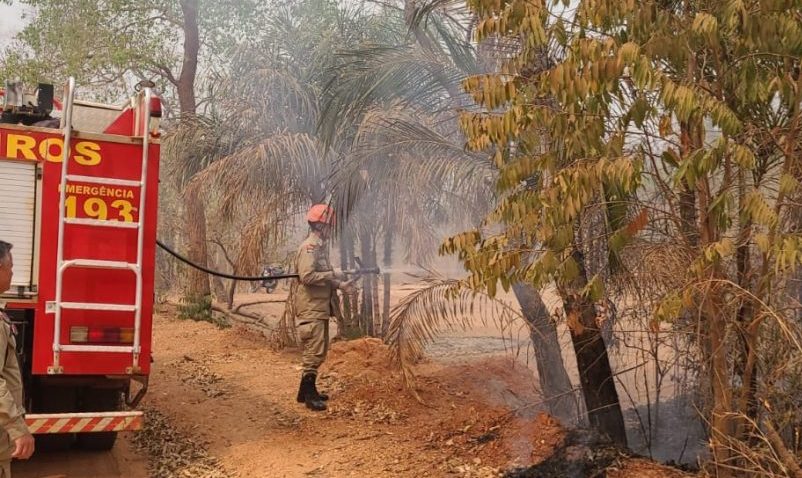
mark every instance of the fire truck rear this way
{"type": "Point", "coordinates": [78, 200]}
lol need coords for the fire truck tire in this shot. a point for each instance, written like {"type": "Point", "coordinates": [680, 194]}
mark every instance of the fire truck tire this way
{"type": "Point", "coordinates": [100, 400]}
{"type": "Point", "coordinates": [99, 441]}
{"type": "Point", "coordinates": [55, 400]}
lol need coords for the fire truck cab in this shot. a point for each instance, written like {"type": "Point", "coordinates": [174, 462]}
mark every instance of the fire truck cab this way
{"type": "Point", "coordinates": [78, 201]}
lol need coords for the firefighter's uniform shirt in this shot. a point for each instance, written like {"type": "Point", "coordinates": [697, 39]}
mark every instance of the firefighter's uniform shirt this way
{"type": "Point", "coordinates": [315, 300]}
{"type": "Point", "coordinates": [12, 411]}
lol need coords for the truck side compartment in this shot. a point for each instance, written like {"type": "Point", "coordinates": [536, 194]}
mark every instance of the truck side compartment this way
{"type": "Point", "coordinates": [89, 253]}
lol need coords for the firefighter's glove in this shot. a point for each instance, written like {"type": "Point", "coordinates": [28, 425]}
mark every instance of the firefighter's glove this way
{"type": "Point", "coordinates": [348, 287]}
{"type": "Point", "coordinates": [340, 276]}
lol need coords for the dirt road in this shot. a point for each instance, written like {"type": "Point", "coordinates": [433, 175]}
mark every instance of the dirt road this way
{"type": "Point", "coordinates": [222, 404]}
{"type": "Point", "coordinates": [122, 462]}
{"type": "Point", "coordinates": [238, 398]}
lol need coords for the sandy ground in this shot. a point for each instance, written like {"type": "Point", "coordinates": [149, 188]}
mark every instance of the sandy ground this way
{"type": "Point", "coordinates": [233, 397]}
{"type": "Point", "coordinates": [122, 461]}
{"type": "Point", "coordinates": [670, 431]}
{"type": "Point", "coordinates": [237, 397]}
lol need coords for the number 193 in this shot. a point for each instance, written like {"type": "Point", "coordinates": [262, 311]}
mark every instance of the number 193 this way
{"type": "Point", "coordinates": [97, 208]}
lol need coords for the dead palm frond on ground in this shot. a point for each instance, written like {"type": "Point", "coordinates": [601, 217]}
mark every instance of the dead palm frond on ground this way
{"type": "Point", "coordinates": [442, 305]}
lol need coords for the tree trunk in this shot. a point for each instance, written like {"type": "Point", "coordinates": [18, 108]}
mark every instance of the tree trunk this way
{"type": "Point", "coordinates": [232, 289]}
{"type": "Point", "coordinates": [195, 213]}
{"type": "Point", "coordinates": [374, 281]}
{"type": "Point", "coordinates": [554, 381]}
{"type": "Point", "coordinates": [189, 66]}
{"type": "Point", "coordinates": [747, 366]}
{"type": "Point", "coordinates": [595, 373]}
{"type": "Point", "coordinates": [722, 424]}
{"type": "Point", "coordinates": [389, 231]}
{"type": "Point", "coordinates": [715, 327]}
{"type": "Point", "coordinates": [218, 288]}
{"type": "Point", "coordinates": [371, 262]}
{"type": "Point", "coordinates": [687, 196]}
{"type": "Point", "coordinates": [349, 323]}
{"type": "Point", "coordinates": [367, 310]}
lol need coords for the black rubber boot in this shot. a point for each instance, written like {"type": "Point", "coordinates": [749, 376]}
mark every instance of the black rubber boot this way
{"type": "Point", "coordinates": [320, 396]}
{"type": "Point", "coordinates": [301, 394]}
{"type": "Point", "coordinates": [311, 399]}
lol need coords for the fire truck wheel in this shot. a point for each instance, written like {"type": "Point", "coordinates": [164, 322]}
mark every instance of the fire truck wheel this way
{"type": "Point", "coordinates": [99, 400]}
{"type": "Point", "coordinates": [54, 442]}
{"type": "Point", "coordinates": [99, 441]}
{"type": "Point", "coordinates": [55, 400]}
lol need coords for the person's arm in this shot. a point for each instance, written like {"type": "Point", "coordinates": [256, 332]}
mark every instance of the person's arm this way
{"type": "Point", "coordinates": [308, 273]}
{"type": "Point", "coordinates": [12, 414]}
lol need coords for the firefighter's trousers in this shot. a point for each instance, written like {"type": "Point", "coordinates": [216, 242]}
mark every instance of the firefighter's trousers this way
{"type": "Point", "coordinates": [314, 335]}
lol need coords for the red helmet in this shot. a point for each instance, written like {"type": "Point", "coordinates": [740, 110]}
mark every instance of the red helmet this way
{"type": "Point", "coordinates": [321, 213]}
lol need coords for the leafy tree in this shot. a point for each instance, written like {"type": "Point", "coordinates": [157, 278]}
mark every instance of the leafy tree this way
{"type": "Point", "coordinates": [553, 162]}
{"type": "Point", "coordinates": [109, 45]}
{"type": "Point", "coordinates": [676, 120]}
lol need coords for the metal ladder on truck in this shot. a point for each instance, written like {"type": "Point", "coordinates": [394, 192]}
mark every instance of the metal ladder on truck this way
{"type": "Point", "coordinates": [58, 306]}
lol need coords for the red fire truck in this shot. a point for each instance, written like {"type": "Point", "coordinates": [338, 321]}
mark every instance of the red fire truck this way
{"type": "Point", "coordinates": [78, 200]}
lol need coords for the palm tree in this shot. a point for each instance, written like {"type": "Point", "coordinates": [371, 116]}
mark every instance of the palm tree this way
{"type": "Point", "coordinates": [259, 134]}
{"type": "Point", "coordinates": [406, 98]}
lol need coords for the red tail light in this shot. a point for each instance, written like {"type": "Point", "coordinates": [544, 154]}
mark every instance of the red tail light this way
{"type": "Point", "coordinates": [96, 336]}
{"type": "Point", "coordinates": [101, 335]}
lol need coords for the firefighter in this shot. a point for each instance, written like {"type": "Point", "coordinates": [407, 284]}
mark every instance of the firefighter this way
{"type": "Point", "coordinates": [316, 301]}
{"type": "Point", "coordinates": [15, 441]}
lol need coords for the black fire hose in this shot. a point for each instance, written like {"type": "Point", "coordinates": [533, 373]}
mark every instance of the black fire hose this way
{"type": "Point", "coordinates": [247, 278]}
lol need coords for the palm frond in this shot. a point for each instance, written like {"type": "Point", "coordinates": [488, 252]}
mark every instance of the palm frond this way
{"type": "Point", "coordinates": [443, 26]}
{"type": "Point", "coordinates": [400, 146]}
{"type": "Point", "coordinates": [425, 10]}
{"type": "Point", "coordinates": [262, 227]}
{"type": "Point", "coordinates": [442, 305]}
{"type": "Point", "coordinates": [456, 40]}
{"type": "Point", "coordinates": [192, 145]}
{"type": "Point", "coordinates": [265, 97]}
{"type": "Point", "coordinates": [289, 166]}
{"type": "Point", "coordinates": [377, 74]}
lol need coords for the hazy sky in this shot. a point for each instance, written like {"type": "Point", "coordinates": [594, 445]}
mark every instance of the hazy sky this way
{"type": "Point", "coordinates": [10, 22]}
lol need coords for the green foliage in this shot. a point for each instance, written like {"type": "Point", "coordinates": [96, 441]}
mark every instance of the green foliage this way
{"type": "Point", "coordinates": [199, 309]}
{"type": "Point", "coordinates": [679, 122]}
{"type": "Point", "coordinates": [574, 126]}
{"type": "Point", "coordinates": [109, 45]}
{"type": "Point", "coordinates": [196, 308]}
